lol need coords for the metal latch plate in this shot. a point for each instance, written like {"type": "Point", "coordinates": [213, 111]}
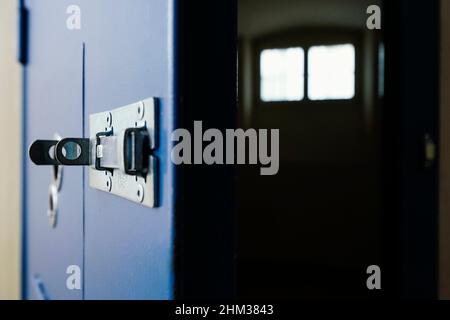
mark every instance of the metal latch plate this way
{"type": "Point", "coordinates": [140, 189]}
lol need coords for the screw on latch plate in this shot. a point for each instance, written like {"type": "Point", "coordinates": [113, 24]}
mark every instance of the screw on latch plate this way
{"type": "Point", "coordinates": [108, 184]}
{"type": "Point", "coordinates": [140, 193]}
{"type": "Point", "coordinates": [108, 120]}
{"type": "Point", "coordinates": [140, 110]}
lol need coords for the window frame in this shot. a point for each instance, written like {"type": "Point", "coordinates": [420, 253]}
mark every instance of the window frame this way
{"type": "Point", "coordinates": [307, 38]}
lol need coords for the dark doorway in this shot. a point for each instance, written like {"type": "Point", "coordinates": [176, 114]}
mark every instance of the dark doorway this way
{"type": "Point", "coordinates": [337, 204]}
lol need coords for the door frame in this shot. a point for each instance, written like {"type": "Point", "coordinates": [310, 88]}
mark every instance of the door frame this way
{"type": "Point", "coordinates": [207, 91]}
{"type": "Point", "coordinates": [444, 187]}
{"type": "Point", "coordinates": [411, 110]}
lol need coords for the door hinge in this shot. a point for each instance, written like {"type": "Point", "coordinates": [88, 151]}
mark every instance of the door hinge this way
{"type": "Point", "coordinates": [119, 152]}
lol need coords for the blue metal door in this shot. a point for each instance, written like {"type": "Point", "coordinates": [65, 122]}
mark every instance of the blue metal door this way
{"type": "Point", "coordinates": [128, 247]}
{"type": "Point", "coordinates": [87, 57]}
{"type": "Point", "coordinates": [52, 95]}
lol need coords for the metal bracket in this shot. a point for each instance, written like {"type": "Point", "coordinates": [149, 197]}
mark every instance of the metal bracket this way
{"type": "Point", "coordinates": [119, 152]}
{"type": "Point", "coordinates": [125, 139]}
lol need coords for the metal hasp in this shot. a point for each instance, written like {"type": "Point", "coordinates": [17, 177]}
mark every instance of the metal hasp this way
{"type": "Point", "coordinates": [122, 155]}
{"type": "Point", "coordinates": [119, 152]}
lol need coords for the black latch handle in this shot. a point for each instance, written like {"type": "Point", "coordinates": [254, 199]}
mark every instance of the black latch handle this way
{"type": "Point", "coordinates": [136, 151]}
{"type": "Point", "coordinates": [42, 152]}
{"type": "Point", "coordinates": [73, 152]}
{"type": "Point", "coordinates": [68, 152]}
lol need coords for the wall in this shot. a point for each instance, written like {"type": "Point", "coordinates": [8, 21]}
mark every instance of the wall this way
{"type": "Point", "coordinates": [10, 160]}
{"type": "Point", "coordinates": [258, 17]}
{"type": "Point", "coordinates": [444, 176]}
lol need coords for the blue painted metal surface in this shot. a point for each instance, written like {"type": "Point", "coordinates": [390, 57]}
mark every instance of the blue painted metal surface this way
{"type": "Point", "coordinates": [128, 247]}
{"type": "Point", "coordinates": [54, 96]}
{"type": "Point", "coordinates": [124, 52]}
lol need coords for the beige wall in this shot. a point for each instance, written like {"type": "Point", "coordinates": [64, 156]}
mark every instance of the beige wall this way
{"type": "Point", "coordinates": [10, 111]}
